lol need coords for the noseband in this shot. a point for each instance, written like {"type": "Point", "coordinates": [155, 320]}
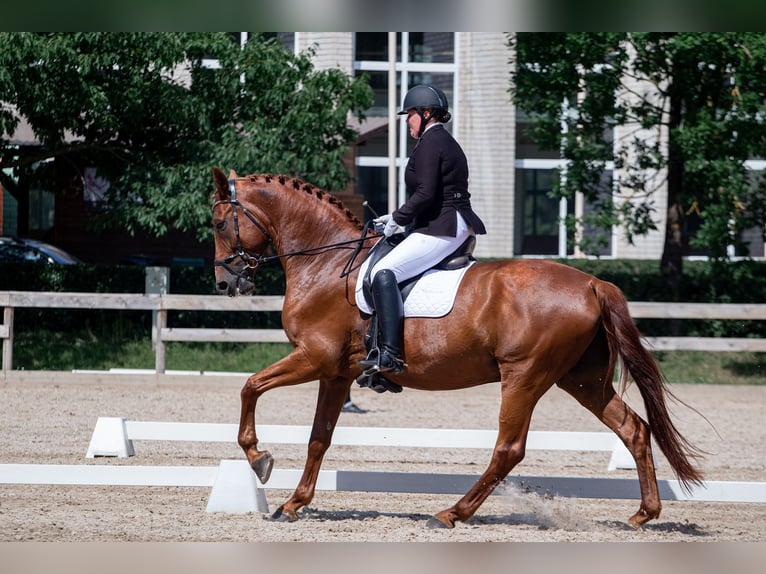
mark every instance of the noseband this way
{"type": "Point", "coordinates": [251, 260]}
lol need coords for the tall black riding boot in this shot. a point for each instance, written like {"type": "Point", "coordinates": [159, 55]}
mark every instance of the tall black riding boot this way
{"type": "Point", "coordinates": [388, 306]}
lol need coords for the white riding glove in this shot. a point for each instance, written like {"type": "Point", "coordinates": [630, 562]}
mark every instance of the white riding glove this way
{"type": "Point", "coordinates": [389, 225]}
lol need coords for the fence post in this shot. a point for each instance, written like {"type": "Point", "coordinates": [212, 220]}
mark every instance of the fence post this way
{"type": "Point", "coordinates": [157, 283]}
{"type": "Point", "coordinates": [8, 339]}
{"type": "Point", "coordinates": [160, 322]}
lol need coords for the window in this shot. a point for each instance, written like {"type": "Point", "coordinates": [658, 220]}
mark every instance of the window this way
{"type": "Point", "coordinates": [378, 81]}
{"type": "Point", "coordinates": [42, 209]}
{"type": "Point", "coordinates": [372, 183]}
{"type": "Point", "coordinates": [753, 240]}
{"type": "Point", "coordinates": [435, 47]}
{"type": "Point", "coordinates": [430, 59]}
{"type": "Point", "coordinates": [374, 46]}
{"type": "Point", "coordinates": [287, 39]}
{"type": "Point", "coordinates": [9, 213]}
{"type": "Point", "coordinates": [597, 240]}
{"type": "Point", "coordinates": [540, 227]}
{"type": "Point", "coordinates": [540, 213]}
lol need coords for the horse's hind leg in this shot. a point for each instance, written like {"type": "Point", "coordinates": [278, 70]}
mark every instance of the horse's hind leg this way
{"type": "Point", "coordinates": [589, 387]}
{"type": "Point", "coordinates": [518, 402]}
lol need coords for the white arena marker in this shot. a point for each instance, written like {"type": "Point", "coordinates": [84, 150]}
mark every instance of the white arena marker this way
{"type": "Point", "coordinates": [110, 438]}
{"type": "Point", "coordinates": [236, 490]}
{"type": "Point", "coordinates": [621, 457]}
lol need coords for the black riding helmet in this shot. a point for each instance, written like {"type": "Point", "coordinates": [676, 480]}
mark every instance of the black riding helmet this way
{"type": "Point", "coordinates": [424, 97]}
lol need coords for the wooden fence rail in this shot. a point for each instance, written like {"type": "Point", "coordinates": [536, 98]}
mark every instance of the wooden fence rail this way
{"type": "Point", "coordinates": [161, 304]}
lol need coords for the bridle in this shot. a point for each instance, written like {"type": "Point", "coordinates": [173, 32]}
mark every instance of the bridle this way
{"type": "Point", "coordinates": [251, 260]}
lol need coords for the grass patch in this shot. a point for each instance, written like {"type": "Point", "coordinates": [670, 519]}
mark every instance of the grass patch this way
{"type": "Point", "coordinates": [702, 367]}
{"type": "Point", "coordinates": [55, 351]}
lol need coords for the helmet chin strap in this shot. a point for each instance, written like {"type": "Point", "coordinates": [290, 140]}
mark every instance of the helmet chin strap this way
{"type": "Point", "coordinates": [423, 121]}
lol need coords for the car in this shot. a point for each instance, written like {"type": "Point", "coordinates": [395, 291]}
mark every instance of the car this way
{"type": "Point", "coordinates": [15, 249]}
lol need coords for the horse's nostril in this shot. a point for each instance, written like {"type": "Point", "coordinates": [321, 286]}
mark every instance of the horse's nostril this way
{"type": "Point", "coordinates": [222, 285]}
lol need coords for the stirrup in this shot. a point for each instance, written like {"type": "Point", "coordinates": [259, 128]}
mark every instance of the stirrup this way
{"type": "Point", "coordinates": [372, 379]}
{"type": "Point", "coordinates": [382, 361]}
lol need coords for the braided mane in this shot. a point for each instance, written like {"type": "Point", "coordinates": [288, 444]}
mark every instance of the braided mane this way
{"type": "Point", "coordinates": [308, 189]}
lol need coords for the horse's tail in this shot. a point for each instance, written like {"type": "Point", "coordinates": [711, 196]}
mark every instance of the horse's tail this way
{"type": "Point", "coordinates": [624, 341]}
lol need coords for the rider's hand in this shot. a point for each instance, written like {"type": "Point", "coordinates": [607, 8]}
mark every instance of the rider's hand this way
{"type": "Point", "coordinates": [390, 228]}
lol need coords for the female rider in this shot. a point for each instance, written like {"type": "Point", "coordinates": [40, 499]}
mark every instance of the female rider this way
{"type": "Point", "coordinates": [438, 213]}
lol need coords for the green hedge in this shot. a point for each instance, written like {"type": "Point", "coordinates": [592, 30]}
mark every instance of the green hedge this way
{"type": "Point", "coordinates": [704, 282]}
{"type": "Point", "coordinates": [738, 282]}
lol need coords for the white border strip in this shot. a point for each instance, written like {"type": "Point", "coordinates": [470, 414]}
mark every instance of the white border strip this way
{"type": "Point", "coordinates": [367, 481]}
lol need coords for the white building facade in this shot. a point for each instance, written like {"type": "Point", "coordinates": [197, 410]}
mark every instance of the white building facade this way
{"type": "Point", "coordinates": [510, 177]}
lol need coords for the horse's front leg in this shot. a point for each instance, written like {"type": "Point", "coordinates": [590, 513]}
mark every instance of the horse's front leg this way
{"type": "Point", "coordinates": [332, 394]}
{"type": "Point", "coordinates": [293, 369]}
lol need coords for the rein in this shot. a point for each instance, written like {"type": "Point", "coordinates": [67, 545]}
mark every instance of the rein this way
{"type": "Point", "coordinates": [251, 261]}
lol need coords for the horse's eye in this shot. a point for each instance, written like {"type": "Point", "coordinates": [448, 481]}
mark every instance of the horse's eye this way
{"type": "Point", "coordinates": [221, 225]}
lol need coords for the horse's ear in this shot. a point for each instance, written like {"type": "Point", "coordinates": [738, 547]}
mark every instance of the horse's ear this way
{"type": "Point", "coordinates": [221, 184]}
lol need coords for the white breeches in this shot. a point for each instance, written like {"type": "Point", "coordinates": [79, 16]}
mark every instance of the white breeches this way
{"type": "Point", "coordinates": [419, 252]}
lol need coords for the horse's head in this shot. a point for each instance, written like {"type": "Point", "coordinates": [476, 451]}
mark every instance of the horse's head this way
{"type": "Point", "coordinates": [260, 211]}
{"type": "Point", "coordinates": [239, 238]}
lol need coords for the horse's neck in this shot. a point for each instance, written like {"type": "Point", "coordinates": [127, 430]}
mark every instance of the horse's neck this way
{"type": "Point", "coordinates": [302, 239]}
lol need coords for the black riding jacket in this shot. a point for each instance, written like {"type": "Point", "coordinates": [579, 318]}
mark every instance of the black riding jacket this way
{"type": "Point", "coordinates": [437, 186]}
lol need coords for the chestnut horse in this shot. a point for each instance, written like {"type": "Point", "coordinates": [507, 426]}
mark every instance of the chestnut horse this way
{"type": "Point", "coordinates": [527, 324]}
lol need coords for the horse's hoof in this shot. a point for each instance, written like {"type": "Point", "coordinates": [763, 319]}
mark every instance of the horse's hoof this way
{"type": "Point", "coordinates": [641, 517]}
{"type": "Point", "coordinates": [434, 523]}
{"type": "Point", "coordinates": [263, 465]}
{"type": "Point", "coordinates": [637, 521]}
{"type": "Point", "coordinates": [280, 516]}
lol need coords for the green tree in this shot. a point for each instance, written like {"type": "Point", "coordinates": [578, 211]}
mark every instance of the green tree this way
{"type": "Point", "coordinates": [151, 113]}
{"type": "Point", "coordinates": [693, 105]}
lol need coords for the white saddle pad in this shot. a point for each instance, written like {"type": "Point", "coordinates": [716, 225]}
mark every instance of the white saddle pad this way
{"type": "Point", "coordinates": [432, 296]}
